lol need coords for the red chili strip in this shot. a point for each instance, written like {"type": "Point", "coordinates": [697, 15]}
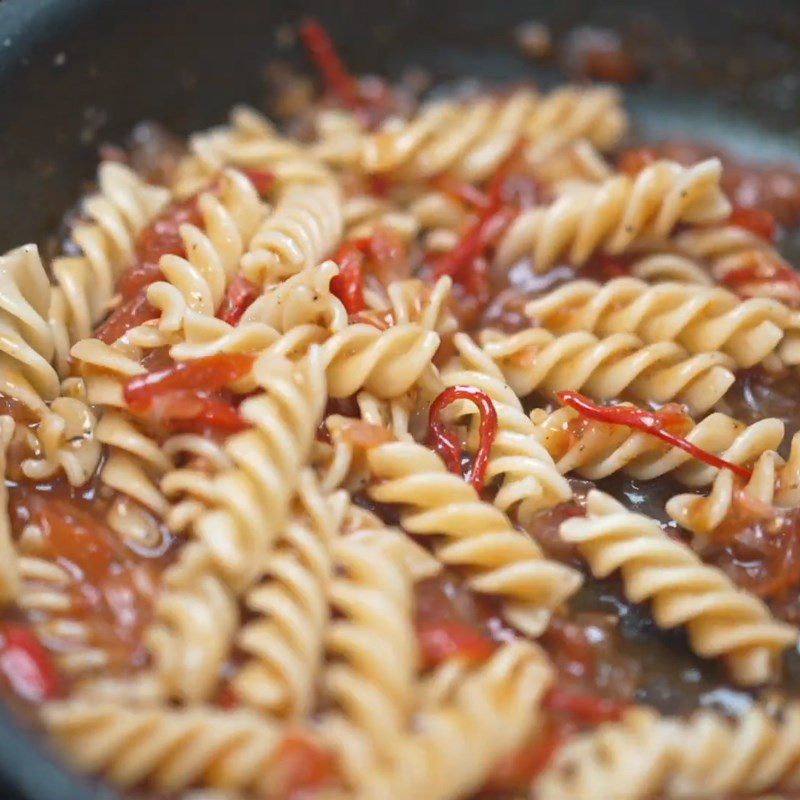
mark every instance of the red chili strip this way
{"type": "Point", "coordinates": [202, 374]}
{"type": "Point", "coordinates": [323, 53]}
{"type": "Point", "coordinates": [585, 707]}
{"type": "Point", "coordinates": [194, 411]}
{"type": "Point", "coordinates": [441, 641]}
{"type": "Point", "coordinates": [653, 422]}
{"type": "Point", "coordinates": [485, 232]}
{"type": "Point", "coordinates": [263, 180]}
{"type": "Point", "coordinates": [447, 444]}
{"type": "Point", "coordinates": [348, 285]}
{"type": "Point", "coordinates": [462, 191]}
{"type": "Point", "coordinates": [26, 666]}
{"type": "Point", "coordinates": [240, 296]}
{"type": "Point", "coordinates": [755, 220]}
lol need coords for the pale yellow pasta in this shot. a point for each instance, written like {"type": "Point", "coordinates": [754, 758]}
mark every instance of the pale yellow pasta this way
{"type": "Point", "coordinates": [372, 646]}
{"type": "Point", "coordinates": [303, 299]}
{"type": "Point", "coordinates": [721, 620]}
{"type": "Point", "coordinates": [700, 319]}
{"type": "Point", "coordinates": [304, 228]}
{"type": "Point", "coordinates": [84, 285]}
{"type": "Point", "coordinates": [670, 267]}
{"type": "Point", "coordinates": [774, 485]}
{"type": "Point", "coordinates": [615, 215]}
{"type": "Point", "coordinates": [705, 757]}
{"type": "Point", "coordinates": [385, 363]}
{"type": "Point", "coordinates": [196, 616]}
{"type": "Point", "coordinates": [365, 215]}
{"type": "Point", "coordinates": [530, 480]}
{"type": "Point", "coordinates": [198, 280]}
{"type": "Point", "coordinates": [574, 161]}
{"type": "Point", "coordinates": [474, 534]}
{"type": "Point", "coordinates": [470, 140]}
{"type": "Point", "coordinates": [283, 642]}
{"type": "Point", "coordinates": [413, 300]}
{"type": "Point", "coordinates": [9, 572]}
{"type": "Point", "coordinates": [601, 449]}
{"type": "Point", "coordinates": [486, 713]}
{"type": "Point", "coordinates": [605, 368]}
{"type": "Point", "coordinates": [169, 748]}
{"type": "Point", "coordinates": [27, 342]}
{"type": "Point", "coordinates": [251, 501]}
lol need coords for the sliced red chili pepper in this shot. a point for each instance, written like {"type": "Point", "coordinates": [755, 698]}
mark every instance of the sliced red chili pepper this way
{"type": "Point", "coordinates": [202, 374]}
{"type": "Point", "coordinates": [514, 772]}
{"type": "Point", "coordinates": [135, 280]}
{"type": "Point", "coordinates": [587, 708]}
{"type": "Point", "coordinates": [26, 665]}
{"type": "Point", "coordinates": [322, 51]}
{"type": "Point", "coordinates": [162, 235]}
{"type": "Point", "coordinates": [653, 422]}
{"type": "Point", "coordinates": [130, 314]}
{"type": "Point", "coordinates": [447, 444]}
{"type": "Point", "coordinates": [263, 180]}
{"type": "Point", "coordinates": [441, 641]}
{"type": "Point", "coordinates": [303, 765]}
{"type": "Point", "coordinates": [632, 162]}
{"type": "Point", "coordinates": [461, 191]}
{"type": "Point", "coordinates": [756, 220]}
{"type": "Point", "coordinates": [348, 285]}
{"type": "Point", "coordinates": [193, 411]}
{"type": "Point", "coordinates": [484, 233]}
{"type": "Point", "coordinates": [241, 294]}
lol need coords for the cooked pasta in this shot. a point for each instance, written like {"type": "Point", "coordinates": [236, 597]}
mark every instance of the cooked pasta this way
{"type": "Point", "coordinates": [596, 449]}
{"type": "Point", "coordinates": [721, 620]}
{"type": "Point", "coordinates": [537, 360]}
{"type": "Point", "coordinates": [701, 320]}
{"type": "Point", "coordinates": [471, 140]}
{"type": "Point", "coordinates": [475, 535]}
{"type": "Point", "coordinates": [706, 757]}
{"type": "Point", "coordinates": [616, 214]}
{"type": "Point", "coordinates": [418, 447]}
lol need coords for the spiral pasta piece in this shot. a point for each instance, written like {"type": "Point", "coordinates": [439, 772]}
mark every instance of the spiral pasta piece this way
{"type": "Point", "coordinates": [774, 484]}
{"type": "Point", "coordinates": [699, 319]}
{"type": "Point", "coordinates": [252, 500]}
{"type": "Point", "coordinates": [615, 215]}
{"type": "Point", "coordinates": [530, 479]}
{"type": "Point", "coordinates": [720, 619]}
{"type": "Point", "coordinates": [487, 713]}
{"type": "Point", "coordinates": [9, 572]}
{"type": "Point", "coordinates": [304, 228]}
{"type": "Point", "coordinates": [707, 756]}
{"type": "Point", "coordinates": [212, 253]}
{"type": "Point", "coordinates": [372, 644]}
{"type": "Point", "coordinates": [470, 140]}
{"type": "Point", "coordinates": [670, 268]}
{"type": "Point", "coordinates": [248, 141]}
{"type": "Point", "coordinates": [303, 299]}
{"type": "Point", "coordinates": [619, 364]}
{"type": "Point", "coordinates": [284, 641]}
{"type": "Point", "coordinates": [365, 215]}
{"type": "Point", "coordinates": [596, 450]}
{"type": "Point", "coordinates": [385, 363]}
{"type": "Point", "coordinates": [27, 342]}
{"type": "Point", "coordinates": [84, 285]}
{"type": "Point", "coordinates": [66, 441]}
{"type": "Point", "coordinates": [475, 534]}
{"type": "Point", "coordinates": [169, 748]}
{"type": "Point", "coordinates": [196, 617]}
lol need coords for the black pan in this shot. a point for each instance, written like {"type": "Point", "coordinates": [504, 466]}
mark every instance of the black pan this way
{"type": "Point", "coordinates": [74, 73]}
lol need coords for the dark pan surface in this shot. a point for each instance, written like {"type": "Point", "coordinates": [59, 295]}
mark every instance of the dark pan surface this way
{"type": "Point", "coordinates": [75, 73]}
